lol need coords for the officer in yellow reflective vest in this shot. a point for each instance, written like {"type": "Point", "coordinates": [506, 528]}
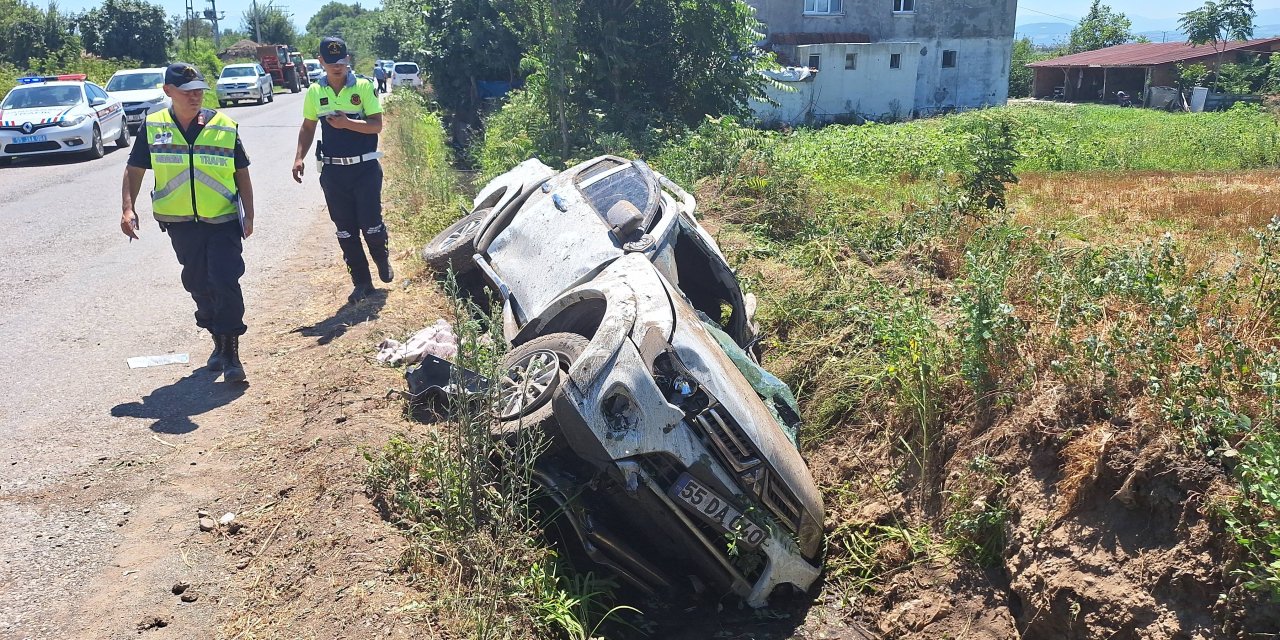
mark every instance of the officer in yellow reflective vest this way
{"type": "Point", "coordinates": [202, 185]}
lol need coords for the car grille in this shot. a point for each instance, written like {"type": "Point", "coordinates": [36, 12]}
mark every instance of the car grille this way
{"type": "Point", "coordinates": [728, 437]}
{"type": "Point", "coordinates": [34, 127]}
{"type": "Point", "coordinates": [734, 447]}
{"type": "Point", "coordinates": [663, 468]}
{"type": "Point", "coordinates": [27, 147]}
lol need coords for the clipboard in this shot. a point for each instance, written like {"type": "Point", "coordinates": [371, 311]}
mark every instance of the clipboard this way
{"type": "Point", "coordinates": [240, 214]}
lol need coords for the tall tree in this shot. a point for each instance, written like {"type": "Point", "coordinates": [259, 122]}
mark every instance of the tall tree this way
{"type": "Point", "coordinates": [318, 24]}
{"type": "Point", "coordinates": [1218, 23]}
{"type": "Point", "coordinates": [133, 29]}
{"type": "Point", "coordinates": [276, 25]}
{"type": "Point", "coordinates": [1099, 28]}
{"type": "Point", "coordinates": [22, 29]}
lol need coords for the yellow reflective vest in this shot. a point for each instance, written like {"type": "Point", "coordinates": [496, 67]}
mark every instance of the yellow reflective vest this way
{"type": "Point", "coordinates": [193, 180]}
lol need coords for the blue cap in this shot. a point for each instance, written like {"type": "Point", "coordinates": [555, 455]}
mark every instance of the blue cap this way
{"type": "Point", "coordinates": [184, 76]}
{"type": "Point", "coordinates": [333, 49]}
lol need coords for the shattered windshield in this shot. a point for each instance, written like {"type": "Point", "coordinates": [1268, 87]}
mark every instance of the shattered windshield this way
{"type": "Point", "coordinates": [627, 184]}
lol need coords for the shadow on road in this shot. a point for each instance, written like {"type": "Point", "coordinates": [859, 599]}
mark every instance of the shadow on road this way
{"type": "Point", "coordinates": [347, 316]}
{"type": "Point", "coordinates": [172, 406]}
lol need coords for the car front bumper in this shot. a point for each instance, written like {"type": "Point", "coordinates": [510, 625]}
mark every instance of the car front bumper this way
{"type": "Point", "coordinates": [232, 95]}
{"type": "Point", "coordinates": [48, 140]}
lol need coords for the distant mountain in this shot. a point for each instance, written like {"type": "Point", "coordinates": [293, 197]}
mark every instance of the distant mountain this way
{"type": "Point", "coordinates": [1046, 34]}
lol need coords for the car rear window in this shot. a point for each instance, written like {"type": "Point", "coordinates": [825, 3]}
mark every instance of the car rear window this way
{"type": "Point", "coordinates": [406, 67]}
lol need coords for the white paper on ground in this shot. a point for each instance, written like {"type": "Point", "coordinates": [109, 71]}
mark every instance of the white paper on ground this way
{"type": "Point", "coordinates": [140, 362]}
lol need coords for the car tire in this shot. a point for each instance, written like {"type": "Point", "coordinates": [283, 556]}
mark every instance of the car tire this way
{"type": "Point", "coordinates": [6, 161]}
{"type": "Point", "coordinates": [271, 95]}
{"type": "Point", "coordinates": [262, 97]}
{"type": "Point", "coordinates": [222, 104]}
{"type": "Point", "coordinates": [530, 375]}
{"type": "Point", "coordinates": [96, 150]}
{"type": "Point", "coordinates": [455, 245]}
{"type": "Point", "coordinates": [122, 140]}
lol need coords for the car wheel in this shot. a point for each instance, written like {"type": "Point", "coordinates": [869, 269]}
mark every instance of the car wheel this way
{"type": "Point", "coordinates": [262, 97]}
{"type": "Point", "coordinates": [6, 161]}
{"type": "Point", "coordinates": [222, 104]}
{"type": "Point", "coordinates": [531, 373]}
{"type": "Point", "coordinates": [455, 245]}
{"type": "Point", "coordinates": [122, 141]}
{"type": "Point", "coordinates": [96, 150]}
{"type": "Point", "coordinates": [271, 95]}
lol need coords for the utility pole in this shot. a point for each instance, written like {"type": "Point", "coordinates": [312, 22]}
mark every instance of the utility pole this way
{"type": "Point", "coordinates": [190, 17]}
{"type": "Point", "coordinates": [212, 15]}
{"type": "Point", "coordinates": [257, 29]}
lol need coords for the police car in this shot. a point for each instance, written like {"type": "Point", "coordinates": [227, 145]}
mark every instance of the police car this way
{"type": "Point", "coordinates": [59, 114]}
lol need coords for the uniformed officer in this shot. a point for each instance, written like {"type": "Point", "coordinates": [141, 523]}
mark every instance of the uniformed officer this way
{"type": "Point", "coordinates": [202, 185]}
{"type": "Point", "coordinates": [351, 177]}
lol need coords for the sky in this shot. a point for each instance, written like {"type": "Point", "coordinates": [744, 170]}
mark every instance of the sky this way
{"type": "Point", "coordinates": [1071, 10]}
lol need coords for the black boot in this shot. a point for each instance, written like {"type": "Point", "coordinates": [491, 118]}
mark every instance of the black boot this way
{"type": "Point", "coordinates": [232, 370]}
{"type": "Point", "coordinates": [360, 292]}
{"type": "Point", "coordinates": [215, 358]}
{"type": "Point", "coordinates": [385, 273]}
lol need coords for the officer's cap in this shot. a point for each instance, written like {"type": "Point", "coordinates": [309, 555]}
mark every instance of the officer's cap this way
{"type": "Point", "coordinates": [184, 76]}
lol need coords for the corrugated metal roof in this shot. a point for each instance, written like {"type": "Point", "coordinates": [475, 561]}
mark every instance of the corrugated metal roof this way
{"type": "Point", "coordinates": [1141, 54]}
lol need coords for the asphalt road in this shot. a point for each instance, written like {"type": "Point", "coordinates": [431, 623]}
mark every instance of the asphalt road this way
{"type": "Point", "coordinates": [78, 300]}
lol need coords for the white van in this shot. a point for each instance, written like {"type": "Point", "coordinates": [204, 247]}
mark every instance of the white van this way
{"type": "Point", "coordinates": [406, 73]}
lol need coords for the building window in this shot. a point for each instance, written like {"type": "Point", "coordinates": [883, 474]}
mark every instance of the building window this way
{"type": "Point", "coordinates": [815, 62]}
{"type": "Point", "coordinates": [895, 61]}
{"type": "Point", "coordinates": [904, 6]}
{"type": "Point", "coordinates": [821, 7]}
{"type": "Point", "coordinates": [948, 58]}
{"type": "Point", "coordinates": [851, 61]}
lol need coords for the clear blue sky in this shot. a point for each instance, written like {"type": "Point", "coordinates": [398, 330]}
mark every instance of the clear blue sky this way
{"type": "Point", "coordinates": [1035, 10]}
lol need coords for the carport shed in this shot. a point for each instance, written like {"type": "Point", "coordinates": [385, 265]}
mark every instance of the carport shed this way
{"type": "Point", "coordinates": [1132, 68]}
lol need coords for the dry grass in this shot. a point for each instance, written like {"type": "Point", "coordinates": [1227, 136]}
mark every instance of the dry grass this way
{"type": "Point", "coordinates": [1216, 208]}
{"type": "Point", "coordinates": [1082, 462]}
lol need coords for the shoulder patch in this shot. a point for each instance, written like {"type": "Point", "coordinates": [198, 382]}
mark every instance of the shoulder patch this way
{"type": "Point", "coordinates": [355, 99]}
{"type": "Point", "coordinates": [324, 101]}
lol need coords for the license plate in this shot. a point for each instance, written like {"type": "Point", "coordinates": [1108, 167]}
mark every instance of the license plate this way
{"type": "Point", "coordinates": [238, 94]}
{"type": "Point", "coordinates": [137, 118]}
{"type": "Point", "coordinates": [25, 139]}
{"type": "Point", "coordinates": [717, 511]}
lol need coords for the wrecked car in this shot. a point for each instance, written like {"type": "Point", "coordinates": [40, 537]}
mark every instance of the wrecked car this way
{"type": "Point", "coordinates": [672, 452]}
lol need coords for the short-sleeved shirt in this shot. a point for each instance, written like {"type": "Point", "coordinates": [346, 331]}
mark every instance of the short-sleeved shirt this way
{"type": "Point", "coordinates": [356, 99]}
{"type": "Point", "coordinates": [140, 154]}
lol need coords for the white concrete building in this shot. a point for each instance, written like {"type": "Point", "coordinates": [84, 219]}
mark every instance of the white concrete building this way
{"type": "Point", "coordinates": [887, 59]}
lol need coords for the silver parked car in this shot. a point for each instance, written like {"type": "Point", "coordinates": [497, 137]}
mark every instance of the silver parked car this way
{"type": "Point", "coordinates": [673, 456]}
{"type": "Point", "coordinates": [248, 81]}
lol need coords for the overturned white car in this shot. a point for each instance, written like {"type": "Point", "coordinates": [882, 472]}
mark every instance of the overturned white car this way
{"type": "Point", "coordinates": [673, 454]}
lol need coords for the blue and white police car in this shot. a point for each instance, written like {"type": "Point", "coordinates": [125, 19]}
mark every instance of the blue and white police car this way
{"type": "Point", "coordinates": [59, 114]}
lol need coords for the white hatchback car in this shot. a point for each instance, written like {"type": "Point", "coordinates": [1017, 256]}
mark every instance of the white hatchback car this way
{"type": "Point", "coordinates": [244, 82]}
{"type": "Point", "coordinates": [141, 93]}
{"type": "Point", "coordinates": [314, 70]}
{"type": "Point", "coordinates": [406, 74]}
{"type": "Point", "coordinates": [59, 114]}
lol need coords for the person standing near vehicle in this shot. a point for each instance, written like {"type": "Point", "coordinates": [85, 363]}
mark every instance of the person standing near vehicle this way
{"type": "Point", "coordinates": [350, 175]}
{"type": "Point", "coordinates": [380, 74]}
{"type": "Point", "coordinates": [202, 185]}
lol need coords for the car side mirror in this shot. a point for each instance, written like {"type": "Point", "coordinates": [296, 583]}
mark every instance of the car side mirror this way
{"type": "Point", "coordinates": [97, 102]}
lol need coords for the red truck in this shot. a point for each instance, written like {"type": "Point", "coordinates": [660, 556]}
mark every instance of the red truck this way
{"type": "Point", "coordinates": [275, 60]}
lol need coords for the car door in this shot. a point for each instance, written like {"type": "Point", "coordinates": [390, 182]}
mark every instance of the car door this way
{"type": "Point", "coordinates": [264, 80]}
{"type": "Point", "coordinates": [109, 111]}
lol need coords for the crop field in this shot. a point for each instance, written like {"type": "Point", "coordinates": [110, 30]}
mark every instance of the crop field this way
{"type": "Point", "coordinates": [1035, 348]}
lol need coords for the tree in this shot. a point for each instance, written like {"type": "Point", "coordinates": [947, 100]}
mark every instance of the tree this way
{"type": "Point", "coordinates": [133, 29]}
{"type": "Point", "coordinates": [1217, 23]}
{"type": "Point", "coordinates": [276, 25]}
{"type": "Point", "coordinates": [318, 24]}
{"type": "Point", "coordinates": [22, 28]}
{"type": "Point", "coordinates": [1099, 28]}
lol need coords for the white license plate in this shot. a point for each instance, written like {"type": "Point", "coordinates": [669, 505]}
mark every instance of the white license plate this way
{"type": "Point", "coordinates": [137, 118]}
{"type": "Point", "coordinates": [238, 94]}
{"type": "Point", "coordinates": [25, 139]}
{"type": "Point", "coordinates": [717, 511]}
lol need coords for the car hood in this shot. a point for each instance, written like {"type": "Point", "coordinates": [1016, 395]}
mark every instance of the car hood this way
{"type": "Point", "coordinates": [139, 95]}
{"type": "Point", "coordinates": [37, 115]}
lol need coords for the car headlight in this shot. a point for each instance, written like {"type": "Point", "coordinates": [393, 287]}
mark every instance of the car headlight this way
{"type": "Point", "coordinates": [73, 122]}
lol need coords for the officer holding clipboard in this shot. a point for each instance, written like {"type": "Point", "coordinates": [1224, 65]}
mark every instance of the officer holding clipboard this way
{"type": "Point", "coordinates": [203, 199]}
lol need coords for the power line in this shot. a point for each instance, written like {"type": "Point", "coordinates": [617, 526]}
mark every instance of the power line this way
{"type": "Point", "coordinates": [1072, 20]}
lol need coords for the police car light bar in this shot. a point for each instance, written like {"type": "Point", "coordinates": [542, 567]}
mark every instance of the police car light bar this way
{"type": "Point", "coordinates": [65, 76]}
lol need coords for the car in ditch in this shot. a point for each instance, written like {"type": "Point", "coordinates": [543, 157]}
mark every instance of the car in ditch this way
{"type": "Point", "coordinates": [672, 456]}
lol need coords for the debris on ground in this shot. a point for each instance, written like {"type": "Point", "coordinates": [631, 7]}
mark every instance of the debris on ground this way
{"type": "Point", "coordinates": [142, 362]}
{"type": "Point", "coordinates": [437, 340]}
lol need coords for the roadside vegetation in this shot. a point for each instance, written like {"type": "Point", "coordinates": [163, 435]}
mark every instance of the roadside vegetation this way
{"type": "Point", "coordinates": [923, 285]}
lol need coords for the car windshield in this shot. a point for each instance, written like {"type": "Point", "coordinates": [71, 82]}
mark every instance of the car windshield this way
{"type": "Point", "coordinates": [239, 72]}
{"type": "Point", "coordinates": [406, 67]}
{"type": "Point", "coordinates": [34, 97]}
{"type": "Point", "coordinates": [627, 184]}
{"type": "Point", "coordinates": [135, 81]}
{"type": "Point", "coordinates": [313, 66]}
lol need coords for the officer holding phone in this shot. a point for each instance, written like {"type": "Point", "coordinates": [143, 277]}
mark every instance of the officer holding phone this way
{"type": "Point", "coordinates": [350, 118]}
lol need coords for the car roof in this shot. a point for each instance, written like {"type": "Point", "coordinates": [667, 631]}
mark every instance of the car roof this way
{"type": "Point", "coordinates": [132, 71]}
{"type": "Point", "coordinates": [241, 64]}
{"type": "Point", "coordinates": [55, 83]}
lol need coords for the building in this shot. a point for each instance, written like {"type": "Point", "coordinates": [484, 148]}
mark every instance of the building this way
{"type": "Point", "coordinates": [1132, 68]}
{"type": "Point", "coordinates": [887, 59]}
